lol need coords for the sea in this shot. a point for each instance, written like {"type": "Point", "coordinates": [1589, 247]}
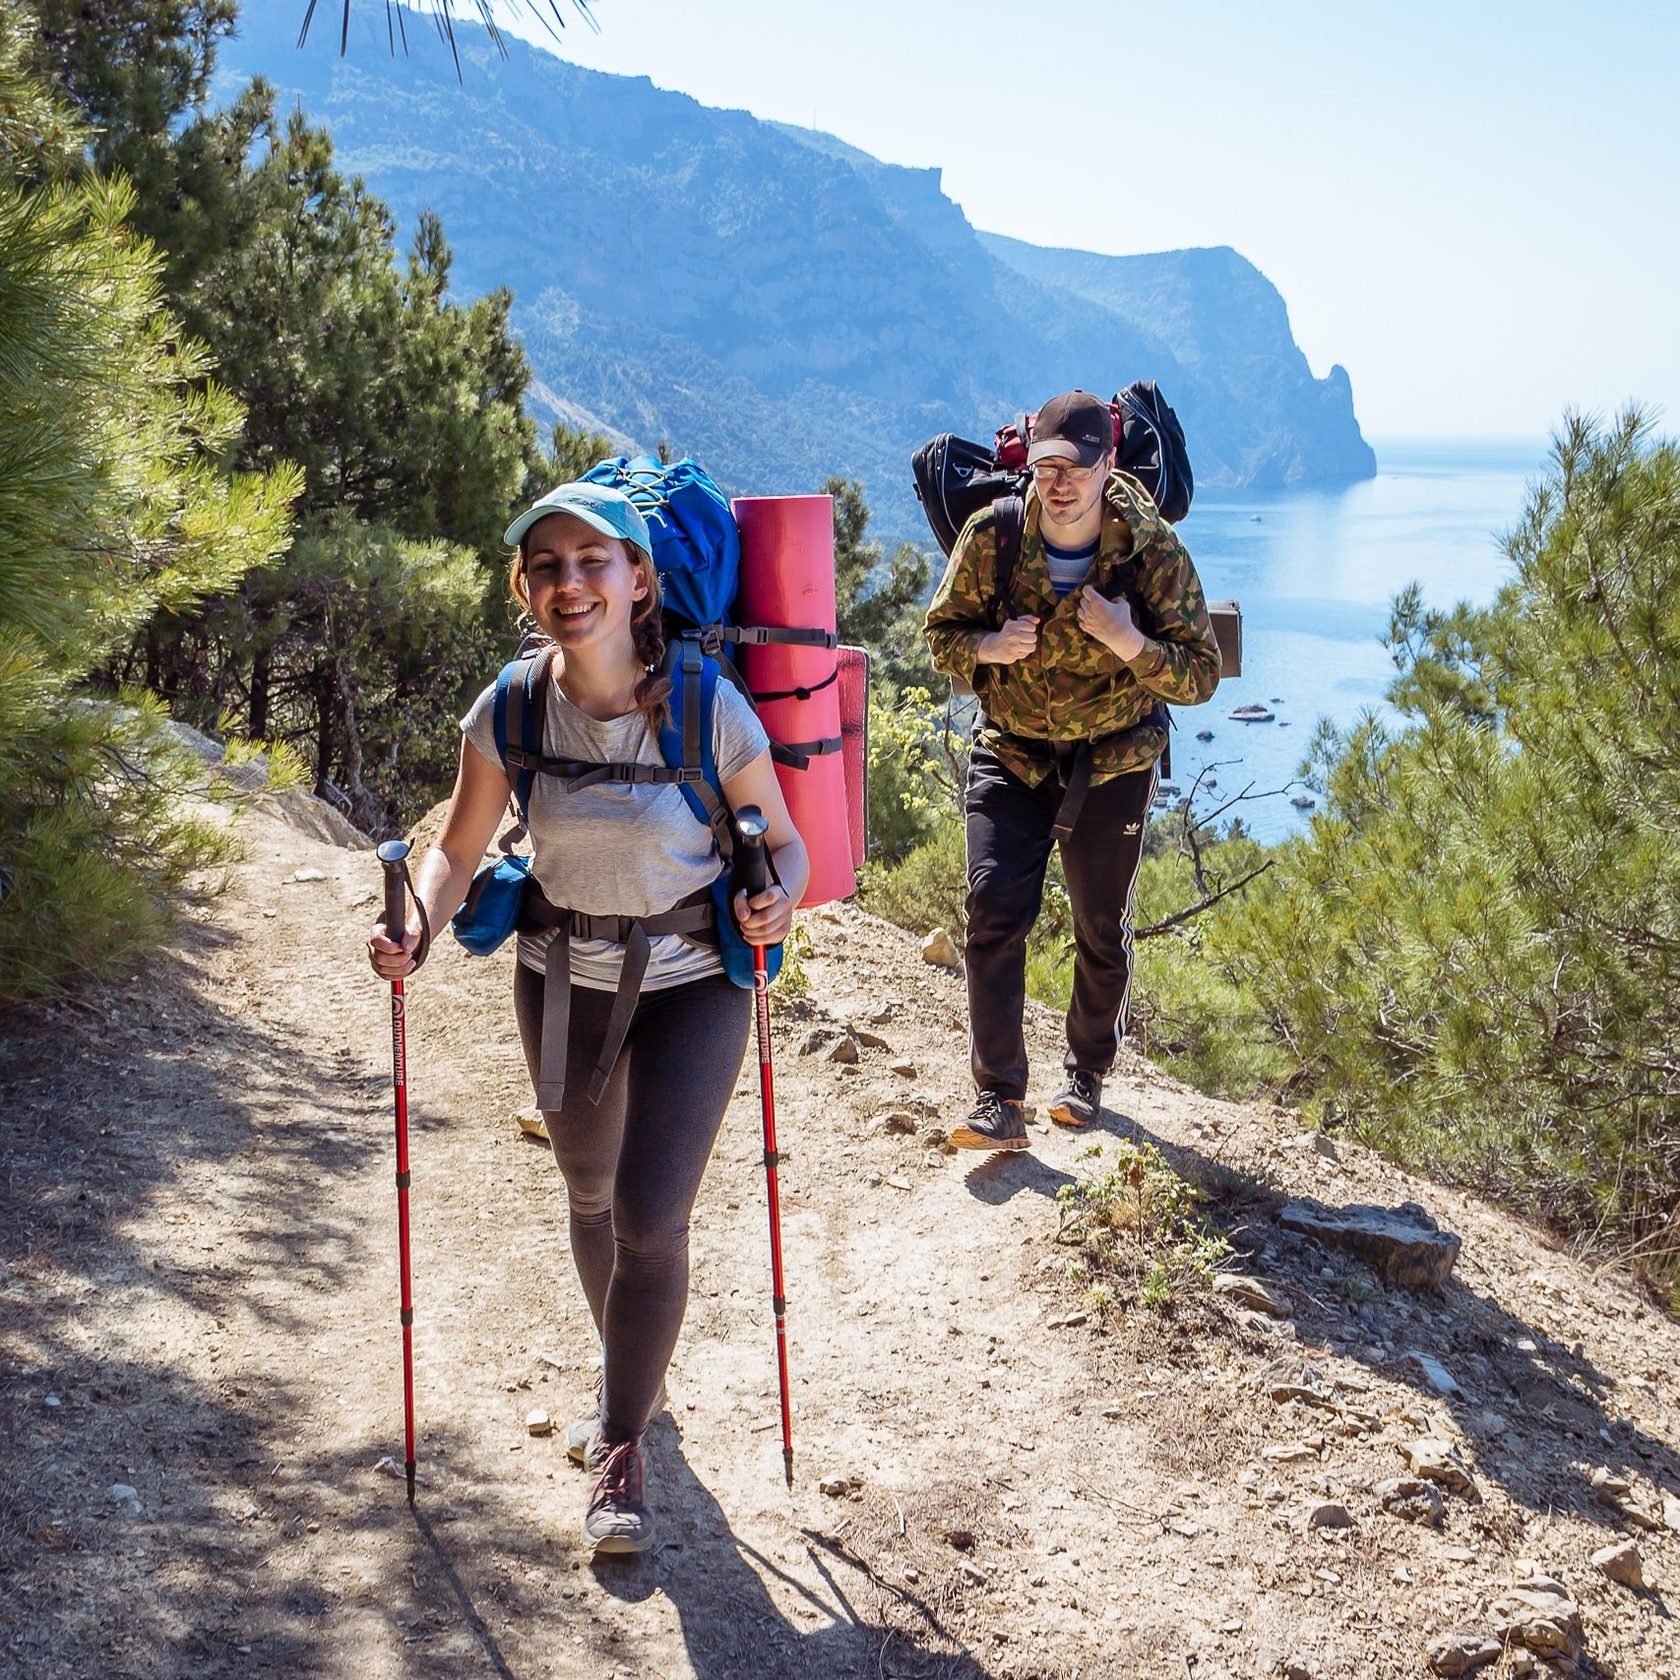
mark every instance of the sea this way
{"type": "Point", "coordinates": [1314, 570]}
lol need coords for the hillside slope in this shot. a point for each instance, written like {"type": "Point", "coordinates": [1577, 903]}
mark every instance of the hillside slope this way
{"type": "Point", "coordinates": [778, 303]}
{"type": "Point", "coordinates": [199, 1377]}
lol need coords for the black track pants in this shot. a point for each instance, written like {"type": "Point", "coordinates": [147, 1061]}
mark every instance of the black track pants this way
{"type": "Point", "coordinates": [1008, 850]}
{"type": "Point", "coordinates": [633, 1163]}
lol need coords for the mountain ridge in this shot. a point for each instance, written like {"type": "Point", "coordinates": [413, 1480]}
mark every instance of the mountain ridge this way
{"type": "Point", "coordinates": [776, 301]}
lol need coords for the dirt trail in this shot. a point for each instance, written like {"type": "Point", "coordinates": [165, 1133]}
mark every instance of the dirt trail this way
{"type": "Point", "coordinates": [198, 1370]}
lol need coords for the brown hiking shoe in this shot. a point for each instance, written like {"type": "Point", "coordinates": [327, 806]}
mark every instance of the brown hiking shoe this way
{"type": "Point", "coordinates": [1078, 1101]}
{"type": "Point", "coordinates": [617, 1519]}
{"type": "Point", "coordinates": [995, 1123]}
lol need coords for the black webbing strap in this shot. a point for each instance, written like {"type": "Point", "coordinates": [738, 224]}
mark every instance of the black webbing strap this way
{"type": "Point", "coordinates": [713, 636]}
{"type": "Point", "coordinates": [690, 919]}
{"type": "Point", "coordinates": [797, 755]}
{"type": "Point", "coordinates": [798, 693]}
{"type": "Point", "coordinates": [1073, 767]}
{"type": "Point", "coordinates": [575, 773]}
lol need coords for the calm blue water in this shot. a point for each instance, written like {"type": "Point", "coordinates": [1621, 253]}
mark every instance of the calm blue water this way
{"type": "Point", "coordinates": [1315, 570]}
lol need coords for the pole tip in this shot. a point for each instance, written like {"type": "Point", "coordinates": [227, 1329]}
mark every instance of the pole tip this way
{"type": "Point", "coordinates": [411, 1484]}
{"type": "Point", "coordinates": [787, 1467]}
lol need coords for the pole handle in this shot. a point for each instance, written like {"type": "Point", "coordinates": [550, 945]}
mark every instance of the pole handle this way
{"type": "Point", "coordinates": [393, 859]}
{"type": "Point", "coordinates": [751, 867]}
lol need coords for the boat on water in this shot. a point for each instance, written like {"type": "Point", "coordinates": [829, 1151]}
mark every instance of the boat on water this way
{"type": "Point", "coordinates": [1204, 734]}
{"type": "Point", "coordinates": [1303, 802]}
{"type": "Point", "coordinates": [1254, 712]}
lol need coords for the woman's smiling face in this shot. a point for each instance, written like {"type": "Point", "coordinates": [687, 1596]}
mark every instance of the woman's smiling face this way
{"type": "Point", "coordinates": [582, 586]}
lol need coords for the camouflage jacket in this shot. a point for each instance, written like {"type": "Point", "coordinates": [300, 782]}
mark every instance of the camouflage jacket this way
{"type": "Point", "coordinates": [1072, 687]}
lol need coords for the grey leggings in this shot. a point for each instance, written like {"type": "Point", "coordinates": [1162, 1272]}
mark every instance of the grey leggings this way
{"type": "Point", "coordinates": [633, 1163]}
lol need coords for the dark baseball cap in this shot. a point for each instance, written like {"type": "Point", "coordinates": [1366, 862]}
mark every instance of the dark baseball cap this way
{"type": "Point", "coordinates": [1072, 427]}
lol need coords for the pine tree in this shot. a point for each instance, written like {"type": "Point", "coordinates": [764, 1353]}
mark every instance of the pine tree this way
{"type": "Point", "coordinates": [1475, 954]}
{"type": "Point", "coordinates": [112, 507]}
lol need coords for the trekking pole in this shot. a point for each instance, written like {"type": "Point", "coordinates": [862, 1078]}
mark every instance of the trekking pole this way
{"type": "Point", "coordinates": [752, 875]}
{"type": "Point", "coordinates": [393, 856]}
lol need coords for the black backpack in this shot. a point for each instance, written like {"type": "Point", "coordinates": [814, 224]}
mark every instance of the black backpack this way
{"type": "Point", "coordinates": [956, 477]}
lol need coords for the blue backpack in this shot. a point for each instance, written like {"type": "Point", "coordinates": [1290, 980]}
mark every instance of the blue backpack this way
{"type": "Point", "coordinates": [697, 553]}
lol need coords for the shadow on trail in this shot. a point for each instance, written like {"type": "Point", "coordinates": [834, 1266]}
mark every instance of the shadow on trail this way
{"type": "Point", "coordinates": [747, 1615]}
{"type": "Point", "coordinates": [155, 1508]}
{"type": "Point", "coordinates": [996, 1179]}
{"type": "Point", "coordinates": [1521, 1393]}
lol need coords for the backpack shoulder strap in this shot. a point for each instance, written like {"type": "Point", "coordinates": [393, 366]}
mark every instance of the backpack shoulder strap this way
{"type": "Point", "coordinates": [518, 714]}
{"type": "Point", "coordinates": [685, 738]}
{"type": "Point", "coordinates": [1009, 524]}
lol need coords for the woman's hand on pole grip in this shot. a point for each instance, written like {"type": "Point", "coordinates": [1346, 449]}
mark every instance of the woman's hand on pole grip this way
{"type": "Point", "coordinates": [766, 919]}
{"type": "Point", "coordinates": [390, 960]}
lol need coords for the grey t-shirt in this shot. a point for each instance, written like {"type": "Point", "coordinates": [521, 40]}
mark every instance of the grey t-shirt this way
{"type": "Point", "coordinates": [621, 848]}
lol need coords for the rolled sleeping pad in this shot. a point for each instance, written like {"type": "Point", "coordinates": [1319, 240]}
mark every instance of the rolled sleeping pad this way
{"type": "Point", "coordinates": [854, 732]}
{"type": "Point", "coordinates": [787, 582]}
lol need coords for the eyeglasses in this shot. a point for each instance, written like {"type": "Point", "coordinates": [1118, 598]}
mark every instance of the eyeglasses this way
{"type": "Point", "coordinates": [1050, 472]}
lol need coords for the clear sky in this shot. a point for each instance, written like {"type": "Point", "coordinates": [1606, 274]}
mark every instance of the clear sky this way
{"type": "Point", "coordinates": [1472, 206]}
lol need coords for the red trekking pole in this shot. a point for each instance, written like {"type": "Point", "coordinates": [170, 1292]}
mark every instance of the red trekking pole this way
{"type": "Point", "coordinates": [752, 875]}
{"type": "Point", "coordinates": [393, 855]}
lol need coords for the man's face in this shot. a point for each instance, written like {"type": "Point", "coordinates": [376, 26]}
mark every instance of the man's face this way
{"type": "Point", "coordinates": [1068, 493]}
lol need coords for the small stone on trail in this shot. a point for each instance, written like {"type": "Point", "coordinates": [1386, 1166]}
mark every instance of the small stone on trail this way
{"type": "Point", "coordinates": [898, 1121]}
{"type": "Point", "coordinates": [1548, 1623]}
{"type": "Point", "coordinates": [1290, 1452]}
{"type": "Point", "coordinates": [903, 1067]}
{"type": "Point", "coordinates": [870, 1040]}
{"type": "Point", "coordinates": [1330, 1515]}
{"type": "Point", "coordinates": [122, 1492]}
{"type": "Point", "coordinates": [1251, 1291]}
{"type": "Point", "coordinates": [1067, 1321]}
{"type": "Point", "coordinates": [309, 875]}
{"type": "Point", "coordinates": [1434, 1373]}
{"type": "Point", "coordinates": [941, 951]}
{"type": "Point", "coordinates": [814, 1040]}
{"type": "Point", "coordinates": [538, 1422]}
{"type": "Point", "coordinates": [1415, 1500]}
{"type": "Point", "coordinates": [1622, 1563]}
{"type": "Point", "coordinates": [976, 1576]}
{"type": "Point", "coordinates": [532, 1124]}
{"type": "Point", "coordinates": [1435, 1461]}
{"type": "Point", "coordinates": [1671, 1512]}
{"type": "Point", "coordinates": [897, 1182]}
{"type": "Point", "coordinates": [52, 1400]}
{"type": "Point", "coordinates": [1462, 1653]}
{"type": "Point", "coordinates": [845, 1050]}
{"type": "Point", "coordinates": [835, 1486]}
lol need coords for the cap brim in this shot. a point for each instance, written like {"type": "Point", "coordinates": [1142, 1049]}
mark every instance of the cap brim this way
{"type": "Point", "coordinates": [1062, 449]}
{"type": "Point", "coordinates": [515, 533]}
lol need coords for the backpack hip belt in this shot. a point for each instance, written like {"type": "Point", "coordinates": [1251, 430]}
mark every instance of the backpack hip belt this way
{"type": "Point", "coordinates": [1071, 761]}
{"type": "Point", "coordinates": [691, 919]}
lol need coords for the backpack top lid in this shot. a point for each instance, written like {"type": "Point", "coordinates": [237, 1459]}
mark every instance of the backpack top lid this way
{"type": "Point", "coordinates": [692, 536]}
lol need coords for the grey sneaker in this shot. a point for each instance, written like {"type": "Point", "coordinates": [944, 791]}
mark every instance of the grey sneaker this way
{"type": "Point", "coordinates": [583, 1435]}
{"type": "Point", "coordinates": [995, 1123]}
{"type": "Point", "coordinates": [617, 1519]}
{"type": "Point", "coordinates": [1078, 1101]}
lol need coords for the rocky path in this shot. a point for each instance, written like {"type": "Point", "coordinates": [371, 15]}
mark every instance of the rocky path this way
{"type": "Point", "coordinates": [199, 1380]}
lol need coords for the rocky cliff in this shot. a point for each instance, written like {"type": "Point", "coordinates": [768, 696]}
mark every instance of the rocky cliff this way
{"type": "Point", "coordinates": [774, 301]}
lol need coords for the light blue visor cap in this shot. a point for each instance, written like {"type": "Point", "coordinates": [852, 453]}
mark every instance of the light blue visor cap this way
{"type": "Point", "coordinates": [599, 506]}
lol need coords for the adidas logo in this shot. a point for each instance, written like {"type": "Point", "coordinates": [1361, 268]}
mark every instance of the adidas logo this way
{"type": "Point", "coordinates": [1132, 828]}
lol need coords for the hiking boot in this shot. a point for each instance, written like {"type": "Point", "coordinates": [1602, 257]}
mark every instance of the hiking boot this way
{"type": "Point", "coordinates": [583, 1435]}
{"type": "Point", "coordinates": [617, 1520]}
{"type": "Point", "coordinates": [995, 1123]}
{"type": "Point", "coordinates": [1077, 1102]}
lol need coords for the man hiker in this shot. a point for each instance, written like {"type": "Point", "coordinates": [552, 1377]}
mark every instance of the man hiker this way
{"type": "Point", "coordinates": [1075, 613]}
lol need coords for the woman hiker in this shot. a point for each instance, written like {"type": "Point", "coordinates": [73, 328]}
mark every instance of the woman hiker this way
{"type": "Point", "coordinates": [633, 1159]}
